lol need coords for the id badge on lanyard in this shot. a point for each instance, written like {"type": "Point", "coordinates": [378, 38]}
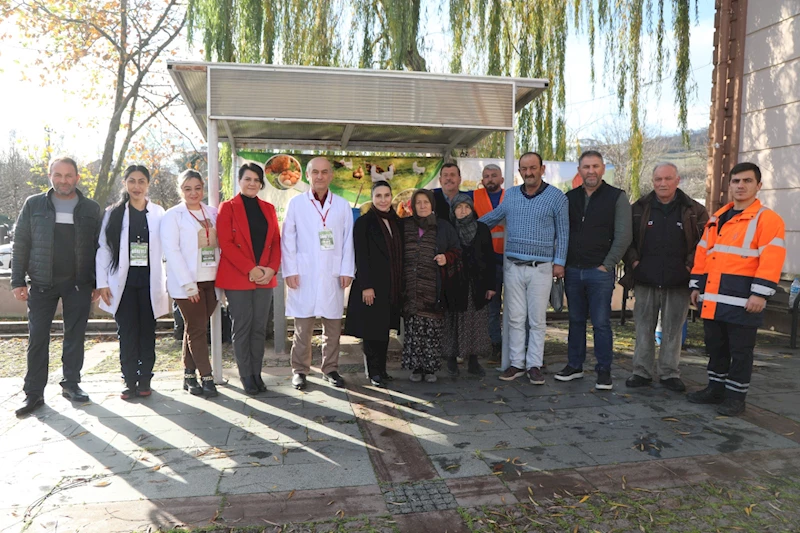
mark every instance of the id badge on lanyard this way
{"type": "Point", "coordinates": [326, 239]}
{"type": "Point", "coordinates": [139, 256]}
{"type": "Point", "coordinates": [208, 256]}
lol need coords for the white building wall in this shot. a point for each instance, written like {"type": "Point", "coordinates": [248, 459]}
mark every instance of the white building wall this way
{"type": "Point", "coordinates": [770, 122]}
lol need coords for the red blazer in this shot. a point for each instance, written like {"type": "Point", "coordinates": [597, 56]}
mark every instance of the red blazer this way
{"type": "Point", "coordinates": [237, 258]}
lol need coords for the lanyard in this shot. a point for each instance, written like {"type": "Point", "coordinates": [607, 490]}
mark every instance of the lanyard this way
{"type": "Point", "coordinates": [329, 202]}
{"type": "Point", "coordinates": [205, 220]}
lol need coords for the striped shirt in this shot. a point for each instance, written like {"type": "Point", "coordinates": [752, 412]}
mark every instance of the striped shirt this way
{"type": "Point", "coordinates": [537, 228]}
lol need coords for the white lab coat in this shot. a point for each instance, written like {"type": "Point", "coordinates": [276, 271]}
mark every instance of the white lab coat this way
{"type": "Point", "coordinates": [179, 231]}
{"type": "Point", "coordinates": [320, 293]}
{"type": "Point", "coordinates": [116, 280]}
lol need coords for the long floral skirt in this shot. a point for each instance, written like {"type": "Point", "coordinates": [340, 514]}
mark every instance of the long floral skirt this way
{"type": "Point", "coordinates": [422, 343]}
{"type": "Point", "coordinates": [467, 332]}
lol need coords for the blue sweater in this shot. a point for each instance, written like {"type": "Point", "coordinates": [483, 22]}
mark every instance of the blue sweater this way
{"type": "Point", "coordinates": [537, 228]}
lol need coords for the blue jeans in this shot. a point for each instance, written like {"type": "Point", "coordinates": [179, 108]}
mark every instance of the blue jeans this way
{"type": "Point", "coordinates": [495, 305]}
{"type": "Point", "coordinates": [589, 294]}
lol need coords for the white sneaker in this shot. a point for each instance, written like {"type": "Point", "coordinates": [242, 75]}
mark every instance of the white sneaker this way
{"type": "Point", "coordinates": [430, 378]}
{"type": "Point", "coordinates": [416, 378]}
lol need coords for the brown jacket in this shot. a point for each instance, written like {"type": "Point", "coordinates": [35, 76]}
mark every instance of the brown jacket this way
{"type": "Point", "coordinates": [693, 216]}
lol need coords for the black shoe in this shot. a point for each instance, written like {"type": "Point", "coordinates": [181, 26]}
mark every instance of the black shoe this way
{"type": "Point", "coordinates": [386, 377]}
{"type": "Point", "coordinates": [636, 381]}
{"type": "Point", "coordinates": [143, 388]}
{"type": "Point", "coordinates": [259, 383]}
{"type": "Point", "coordinates": [129, 392]}
{"type": "Point", "coordinates": [334, 379]}
{"type": "Point", "coordinates": [603, 380]}
{"type": "Point", "coordinates": [31, 403]}
{"type": "Point", "coordinates": [568, 374]}
{"type": "Point", "coordinates": [209, 389]}
{"type": "Point", "coordinates": [474, 367]}
{"type": "Point", "coordinates": [249, 386]}
{"type": "Point", "coordinates": [673, 384]}
{"type": "Point", "coordinates": [707, 395]}
{"type": "Point", "coordinates": [731, 407]}
{"type": "Point", "coordinates": [74, 393]}
{"type": "Point", "coordinates": [452, 366]}
{"type": "Point", "coordinates": [497, 354]}
{"type": "Point", "coordinates": [377, 381]}
{"type": "Point", "coordinates": [299, 381]}
{"type": "Point", "coordinates": [190, 383]}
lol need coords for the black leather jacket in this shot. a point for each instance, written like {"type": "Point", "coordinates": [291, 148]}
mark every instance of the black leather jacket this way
{"type": "Point", "coordinates": [34, 237]}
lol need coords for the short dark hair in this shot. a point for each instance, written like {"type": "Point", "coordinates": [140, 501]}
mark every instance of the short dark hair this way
{"type": "Point", "coordinates": [738, 168]}
{"type": "Point", "coordinates": [590, 153]}
{"type": "Point", "coordinates": [62, 159]}
{"type": "Point", "coordinates": [252, 167]}
{"type": "Point", "coordinates": [453, 165]}
{"type": "Point", "coordinates": [526, 154]}
{"type": "Point", "coordinates": [381, 183]}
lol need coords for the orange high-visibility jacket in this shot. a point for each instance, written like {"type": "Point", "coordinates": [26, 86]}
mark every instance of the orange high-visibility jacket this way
{"type": "Point", "coordinates": [482, 206]}
{"type": "Point", "coordinates": [744, 258]}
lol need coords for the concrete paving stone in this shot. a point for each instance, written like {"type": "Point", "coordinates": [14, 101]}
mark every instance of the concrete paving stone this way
{"type": "Point", "coordinates": [646, 448]}
{"type": "Point", "coordinates": [784, 404]}
{"type": "Point", "coordinates": [556, 417]}
{"type": "Point", "coordinates": [296, 477]}
{"type": "Point", "coordinates": [783, 462]}
{"type": "Point", "coordinates": [647, 475]}
{"type": "Point", "coordinates": [171, 438]}
{"type": "Point", "coordinates": [67, 460]}
{"type": "Point", "coordinates": [256, 432]}
{"type": "Point", "coordinates": [496, 390]}
{"type": "Point", "coordinates": [439, 443]}
{"type": "Point", "coordinates": [537, 458]}
{"type": "Point", "coordinates": [565, 401]}
{"type": "Point", "coordinates": [773, 422]}
{"type": "Point", "coordinates": [431, 522]}
{"type": "Point", "coordinates": [475, 407]}
{"type": "Point", "coordinates": [32, 435]}
{"type": "Point", "coordinates": [460, 464]}
{"type": "Point", "coordinates": [329, 451]}
{"type": "Point", "coordinates": [545, 484]}
{"type": "Point", "coordinates": [637, 410]}
{"type": "Point", "coordinates": [348, 431]}
{"type": "Point", "coordinates": [219, 458]}
{"type": "Point", "coordinates": [726, 435]}
{"type": "Point", "coordinates": [157, 404]}
{"type": "Point", "coordinates": [459, 424]}
{"type": "Point", "coordinates": [600, 431]}
{"type": "Point", "coordinates": [480, 491]}
{"type": "Point", "coordinates": [304, 505]}
{"type": "Point", "coordinates": [23, 490]}
{"type": "Point", "coordinates": [123, 517]}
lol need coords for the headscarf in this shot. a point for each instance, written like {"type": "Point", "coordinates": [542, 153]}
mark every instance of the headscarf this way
{"type": "Point", "coordinates": [428, 222]}
{"type": "Point", "coordinates": [466, 227]}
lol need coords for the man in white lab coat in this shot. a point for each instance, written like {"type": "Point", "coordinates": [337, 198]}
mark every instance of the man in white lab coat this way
{"type": "Point", "coordinates": [318, 263]}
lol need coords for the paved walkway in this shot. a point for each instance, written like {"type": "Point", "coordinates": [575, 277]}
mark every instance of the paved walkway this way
{"type": "Point", "coordinates": [412, 454]}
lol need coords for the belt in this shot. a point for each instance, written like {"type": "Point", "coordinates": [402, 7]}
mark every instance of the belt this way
{"type": "Point", "coordinates": [520, 262]}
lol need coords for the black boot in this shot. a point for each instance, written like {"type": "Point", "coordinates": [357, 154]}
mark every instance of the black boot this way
{"type": "Point", "coordinates": [259, 383]}
{"type": "Point", "coordinates": [209, 389]}
{"type": "Point", "coordinates": [452, 366]}
{"type": "Point", "coordinates": [708, 395]}
{"type": "Point", "coordinates": [143, 387]}
{"type": "Point", "coordinates": [129, 392]}
{"type": "Point", "coordinates": [249, 386]}
{"type": "Point", "coordinates": [190, 383]}
{"type": "Point", "coordinates": [474, 368]}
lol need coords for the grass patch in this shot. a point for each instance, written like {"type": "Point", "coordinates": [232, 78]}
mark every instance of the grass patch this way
{"type": "Point", "coordinates": [14, 360]}
{"type": "Point", "coordinates": [169, 357]}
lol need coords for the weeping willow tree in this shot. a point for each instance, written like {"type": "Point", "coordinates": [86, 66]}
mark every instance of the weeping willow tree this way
{"type": "Point", "coordinates": [526, 38]}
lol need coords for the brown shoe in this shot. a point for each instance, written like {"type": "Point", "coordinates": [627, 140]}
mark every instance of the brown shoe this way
{"type": "Point", "coordinates": [535, 376]}
{"type": "Point", "coordinates": [512, 373]}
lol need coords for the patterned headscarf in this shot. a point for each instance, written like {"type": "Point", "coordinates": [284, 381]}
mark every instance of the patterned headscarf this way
{"type": "Point", "coordinates": [428, 222]}
{"type": "Point", "coordinates": [466, 227]}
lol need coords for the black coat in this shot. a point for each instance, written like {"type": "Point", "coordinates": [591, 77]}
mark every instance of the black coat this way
{"type": "Point", "coordinates": [372, 272]}
{"type": "Point", "coordinates": [34, 241]}
{"type": "Point", "coordinates": [478, 270]}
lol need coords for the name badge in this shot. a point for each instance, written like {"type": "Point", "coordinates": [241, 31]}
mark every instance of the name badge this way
{"type": "Point", "coordinates": [208, 257]}
{"type": "Point", "coordinates": [139, 254]}
{"type": "Point", "coordinates": [326, 239]}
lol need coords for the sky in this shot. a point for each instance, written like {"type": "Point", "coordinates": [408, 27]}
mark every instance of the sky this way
{"type": "Point", "coordinates": [28, 107]}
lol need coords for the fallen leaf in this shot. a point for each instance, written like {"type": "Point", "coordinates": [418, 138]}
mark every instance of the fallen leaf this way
{"type": "Point", "coordinates": [484, 421]}
{"type": "Point", "coordinates": [451, 467]}
{"type": "Point", "coordinates": [289, 497]}
{"type": "Point", "coordinates": [614, 505]}
{"type": "Point", "coordinates": [749, 509]}
{"type": "Point", "coordinates": [789, 434]}
{"type": "Point", "coordinates": [102, 483]}
{"type": "Point", "coordinates": [157, 468]}
{"type": "Point", "coordinates": [530, 491]}
{"type": "Point", "coordinates": [81, 434]}
{"type": "Point", "coordinates": [255, 464]}
{"type": "Point", "coordinates": [331, 502]}
{"type": "Point", "coordinates": [683, 432]}
{"type": "Point", "coordinates": [584, 499]}
{"type": "Point", "coordinates": [340, 513]}
{"type": "Point", "coordinates": [576, 529]}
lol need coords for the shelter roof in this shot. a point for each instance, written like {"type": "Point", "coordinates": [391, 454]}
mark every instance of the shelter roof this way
{"type": "Point", "coordinates": [324, 108]}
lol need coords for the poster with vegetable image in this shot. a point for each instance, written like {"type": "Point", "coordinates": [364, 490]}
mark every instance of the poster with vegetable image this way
{"type": "Point", "coordinates": [285, 177]}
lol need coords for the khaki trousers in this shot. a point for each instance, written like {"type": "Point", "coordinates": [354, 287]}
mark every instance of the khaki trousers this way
{"type": "Point", "coordinates": [301, 346]}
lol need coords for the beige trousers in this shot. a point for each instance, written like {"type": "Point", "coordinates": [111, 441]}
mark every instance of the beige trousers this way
{"type": "Point", "coordinates": [301, 346]}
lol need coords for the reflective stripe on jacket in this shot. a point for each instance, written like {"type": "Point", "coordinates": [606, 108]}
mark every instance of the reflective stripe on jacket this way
{"type": "Point", "coordinates": [482, 206]}
{"type": "Point", "coordinates": [744, 258]}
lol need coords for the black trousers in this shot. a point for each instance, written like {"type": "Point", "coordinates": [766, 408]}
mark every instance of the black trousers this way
{"type": "Point", "coordinates": [136, 328]}
{"type": "Point", "coordinates": [76, 301]}
{"type": "Point", "coordinates": [730, 356]}
{"type": "Point", "coordinates": [375, 355]}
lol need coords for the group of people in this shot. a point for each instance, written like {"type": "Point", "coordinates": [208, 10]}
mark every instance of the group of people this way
{"type": "Point", "coordinates": [442, 270]}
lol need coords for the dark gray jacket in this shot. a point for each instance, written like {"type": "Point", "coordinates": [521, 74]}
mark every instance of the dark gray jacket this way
{"type": "Point", "coordinates": [34, 237]}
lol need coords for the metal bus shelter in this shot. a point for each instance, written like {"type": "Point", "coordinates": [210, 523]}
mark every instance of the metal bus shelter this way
{"type": "Point", "coordinates": [280, 107]}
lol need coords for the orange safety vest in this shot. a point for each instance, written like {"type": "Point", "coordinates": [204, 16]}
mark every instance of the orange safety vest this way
{"type": "Point", "coordinates": [744, 258]}
{"type": "Point", "coordinates": [482, 206]}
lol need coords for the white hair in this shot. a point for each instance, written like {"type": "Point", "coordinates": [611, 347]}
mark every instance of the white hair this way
{"type": "Point", "coordinates": [667, 164]}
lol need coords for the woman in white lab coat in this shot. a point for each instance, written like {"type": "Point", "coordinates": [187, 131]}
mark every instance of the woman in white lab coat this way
{"type": "Point", "coordinates": [189, 239]}
{"type": "Point", "coordinates": [130, 278]}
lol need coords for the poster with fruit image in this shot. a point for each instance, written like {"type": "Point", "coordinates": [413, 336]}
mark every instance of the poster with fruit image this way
{"type": "Point", "coordinates": [285, 177]}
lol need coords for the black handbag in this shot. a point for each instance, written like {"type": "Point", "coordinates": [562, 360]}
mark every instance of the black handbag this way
{"type": "Point", "coordinates": [557, 295]}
